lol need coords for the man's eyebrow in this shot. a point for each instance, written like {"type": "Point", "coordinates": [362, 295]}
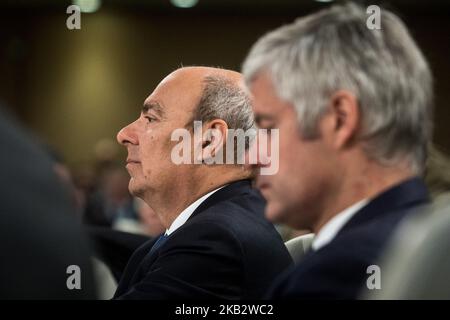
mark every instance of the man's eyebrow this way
{"type": "Point", "coordinates": [155, 106]}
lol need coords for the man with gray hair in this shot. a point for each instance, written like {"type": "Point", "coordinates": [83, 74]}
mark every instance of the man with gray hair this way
{"type": "Point", "coordinates": [353, 110]}
{"type": "Point", "coordinates": [217, 242]}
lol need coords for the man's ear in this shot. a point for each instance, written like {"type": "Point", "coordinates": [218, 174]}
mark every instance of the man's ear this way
{"type": "Point", "coordinates": [343, 118]}
{"type": "Point", "coordinates": [213, 140]}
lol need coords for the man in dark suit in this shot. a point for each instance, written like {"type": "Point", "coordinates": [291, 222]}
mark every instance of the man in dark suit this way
{"type": "Point", "coordinates": [217, 243]}
{"type": "Point", "coordinates": [342, 268]}
{"type": "Point", "coordinates": [352, 105]}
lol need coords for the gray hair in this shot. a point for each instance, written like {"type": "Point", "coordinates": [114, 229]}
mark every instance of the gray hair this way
{"type": "Point", "coordinates": [333, 49]}
{"type": "Point", "coordinates": [223, 99]}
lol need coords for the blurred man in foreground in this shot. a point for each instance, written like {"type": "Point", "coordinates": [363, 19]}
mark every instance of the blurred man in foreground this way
{"type": "Point", "coordinates": [217, 242]}
{"type": "Point", "coordinates": [44, 253]}
{"type": "Point", "coordinates": [353, 109]}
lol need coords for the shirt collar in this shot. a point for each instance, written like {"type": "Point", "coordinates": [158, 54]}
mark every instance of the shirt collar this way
{"type": "Point", "coordinates": [186, 213]}
{"type": "Point", "coordinates": [335, 224]}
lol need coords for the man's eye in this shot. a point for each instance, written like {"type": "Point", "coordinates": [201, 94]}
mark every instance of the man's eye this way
{"type": "Point", "coordinates": [150, 119]}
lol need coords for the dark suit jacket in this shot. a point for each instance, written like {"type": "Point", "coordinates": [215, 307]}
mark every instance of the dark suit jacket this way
{"type": "Point", "coordinates": [226, 249]}
{"type": "Point", "coordinates": [339, 269]}
{"type": "Point", "coordinates": [114, 248]}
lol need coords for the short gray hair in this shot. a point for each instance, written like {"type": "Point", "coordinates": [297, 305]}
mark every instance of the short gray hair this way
{"type": "Point", "coordinates": [223, 99]}
{"type": "Point", "coordinates": [333, 49]}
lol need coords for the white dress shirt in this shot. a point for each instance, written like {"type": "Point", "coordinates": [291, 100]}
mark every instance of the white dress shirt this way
{"type": "Point", "coordinates": [332, 227]}
{"type": "Point", "coordinates": [186, 213]}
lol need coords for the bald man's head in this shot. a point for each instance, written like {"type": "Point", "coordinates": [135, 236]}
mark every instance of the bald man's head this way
{"type": "Point", "coordinates": [216, 97]}
{"type": "Point", "coordinates": [197, 74]}
{"type": "Point", "coordinates": [187, 86]}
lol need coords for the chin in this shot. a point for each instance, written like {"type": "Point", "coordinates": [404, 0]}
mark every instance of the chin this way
{"type": "Point", "coordinates": [274, 212]}
{"type": "Point", "coordinates": [134, 188]}
{"type": "Point", "coordinates": [278, 213]}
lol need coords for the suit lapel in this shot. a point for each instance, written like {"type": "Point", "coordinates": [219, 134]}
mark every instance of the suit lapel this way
{"type": "Point", "coordinates": [404, 195]}
{"type": "Point", "coordinates": [230, 191]}
{"type": "Point", "coordinates": [133, 266]}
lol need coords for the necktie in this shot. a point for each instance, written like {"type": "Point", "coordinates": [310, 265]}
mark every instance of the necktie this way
{"type": "Point", "coordinates": [161, 239]}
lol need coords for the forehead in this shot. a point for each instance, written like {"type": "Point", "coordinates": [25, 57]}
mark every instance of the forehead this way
{"type": "Point", "coordinates": [175, 95]}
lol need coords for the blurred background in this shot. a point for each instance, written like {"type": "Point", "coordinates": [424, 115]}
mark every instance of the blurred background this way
{"type": "Point", "coordinates": [75, 89]}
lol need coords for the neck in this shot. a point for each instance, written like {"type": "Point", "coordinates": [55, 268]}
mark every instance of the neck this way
{"type": "Point", "coordinates": [170, 202]}
{"type": "Point", "coordinates": [365, 184]}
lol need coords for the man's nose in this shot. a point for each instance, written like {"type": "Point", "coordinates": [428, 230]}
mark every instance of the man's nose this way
{"type": "Point", "coordinates": [253, 156]}
{"type": "Point", "coordinates": [262, 150]}
{"type": "Point", "coordinates": [127, 135]}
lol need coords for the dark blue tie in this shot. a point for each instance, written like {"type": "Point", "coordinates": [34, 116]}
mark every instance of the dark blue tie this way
{"type": "Point", "coordinates": [158, 243]}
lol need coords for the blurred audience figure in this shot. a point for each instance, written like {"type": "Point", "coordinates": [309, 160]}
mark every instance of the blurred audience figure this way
{"type": "Point", "coordinates": [437, 175]}
{"type": "Point", "coordinates": [42, 243]}
{"type": "Point", "coordinates": [415, 264]}
{"type": "Point", "coordinates": [353, 107]}
{"type": "Point", "coordinates": [111, 204]}
{"type": "Point", "coordinates": [64, 174]}
{"type": "Point", "coordinates": [85, 180]}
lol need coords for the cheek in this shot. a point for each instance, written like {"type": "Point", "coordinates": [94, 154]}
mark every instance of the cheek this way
{"type": "Point", "coordinates": [157, 144]}
{"type": "Point", "coordinates": [155, 155]}
{"type": "Point", "coordinates": [150, 146]}
{"type": "Point", "coordinates": [299, 173]}
{"type": "Point", "coordinates": [290, 161]}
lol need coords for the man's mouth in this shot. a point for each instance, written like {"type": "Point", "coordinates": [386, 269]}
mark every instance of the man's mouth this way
{"type": "Point", "coordinates": [132, 161]}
